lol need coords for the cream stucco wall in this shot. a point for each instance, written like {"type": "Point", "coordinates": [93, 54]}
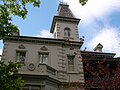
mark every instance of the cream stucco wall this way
{"type": "Point", "coordinates": [57, 60]}
{"type": "Point", "coordinates": [59, 30]}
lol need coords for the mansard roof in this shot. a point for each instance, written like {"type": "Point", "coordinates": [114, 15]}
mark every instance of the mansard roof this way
{"type": "Point", "coordinates": [64, 14]}
{"type": "Point", "coordinates": [64, 11]}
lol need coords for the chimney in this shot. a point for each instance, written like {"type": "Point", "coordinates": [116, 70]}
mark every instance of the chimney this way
{"type": "Point", "coordinates": [17, 33]}
{"type": "Point", "coordinates": [98, 48]}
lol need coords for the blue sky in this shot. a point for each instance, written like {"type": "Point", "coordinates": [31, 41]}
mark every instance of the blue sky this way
{"type": "Point", "coordinates": [100, 22]}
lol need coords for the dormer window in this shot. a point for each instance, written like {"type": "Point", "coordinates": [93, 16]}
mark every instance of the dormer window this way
{"type": "Point", "coordinates": [67, 32]}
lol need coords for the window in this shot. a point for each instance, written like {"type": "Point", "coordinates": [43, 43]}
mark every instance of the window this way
{"type": "Point", "coordinates": [70, 62]}
{"type": "Point", "coordinates": [20, 56]}
{"type": "Point", "coordinates": [43, 58]}
{"type": "Point", "coordinates": [70, 65]}
{"type": "Point", "coordinates": [67, 32]}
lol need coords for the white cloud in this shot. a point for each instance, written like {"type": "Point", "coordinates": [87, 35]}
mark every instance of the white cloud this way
{"type": "Point", "coordinates": [109, 37]}
{"type": "Point", "coordinates": [94, 9]}
{"type": "Point", "coordinates": [94, 13]}
{"type": "Point", "coordinates": [44, 33]}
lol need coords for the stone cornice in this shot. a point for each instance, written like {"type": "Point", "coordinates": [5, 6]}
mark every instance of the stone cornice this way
{"type": "Point", "coordinates": [37, 40]}
{"type": "Point", "coordinates": [90, 53]}
{"type": "Point", "coordinates": [59, 18]}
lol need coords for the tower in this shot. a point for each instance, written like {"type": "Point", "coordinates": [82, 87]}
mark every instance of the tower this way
{"type": "Point", "coordinates": [65, 25]}
{"type": "Point", "coordinates": [50, 63]}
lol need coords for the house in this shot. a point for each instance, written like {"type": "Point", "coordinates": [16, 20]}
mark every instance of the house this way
{"type": "Point", "coordinates": [50, 63]}
{"type": "Point", "coordinates": [100, 68]}
{"type": "Point", "coordinates": [53, 63]}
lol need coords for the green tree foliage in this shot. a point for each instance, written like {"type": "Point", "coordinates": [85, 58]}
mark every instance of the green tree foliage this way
{"type": "Point", "coordinates": [102, 74]}
{"type": "Point", "coordinates": [83, 2]}
{"type": "Point", "coordinates": [16, 8]}
{"type": "Point", "coordinates": [7, 78]}
{"type": "Point", "coordinates": [9, 8]}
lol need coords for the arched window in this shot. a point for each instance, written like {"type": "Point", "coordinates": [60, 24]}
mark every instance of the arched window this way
{"type": "Point", "coordinates": [67, 32]}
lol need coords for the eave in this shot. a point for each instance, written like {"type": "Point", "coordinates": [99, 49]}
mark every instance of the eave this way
{"type": "Point", "coordinates": [59, 18]}
{"type": "Point", "coordinates": [39, 40]}
{"type": "Point", "coordinates": [97, 54]}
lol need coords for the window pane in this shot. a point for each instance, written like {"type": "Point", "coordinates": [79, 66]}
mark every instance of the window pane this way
{"type": "Point", "coordinates": [20, 56]}
{"type": "Point", "coordinates": [71, 67]}
{"type": "Point", "coordinates": [65, 33]}
{"type": "Point", "coordinates": [40, 58]}
{"type": "Point", "coordinates": [43, 58]}
{"type": "Point", "coordinates": [70, 62]}
{"type": "Point", "coordinates": [68, 32]}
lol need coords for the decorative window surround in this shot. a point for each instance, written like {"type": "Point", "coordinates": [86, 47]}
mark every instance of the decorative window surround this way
{"type": "Point", "coordinates": [44, 48]}
{"type": "Point", "coordinates": [31, 67]}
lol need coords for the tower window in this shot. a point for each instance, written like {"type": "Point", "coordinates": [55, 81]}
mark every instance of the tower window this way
{"type": "Point", "coordinates": [67, 32]}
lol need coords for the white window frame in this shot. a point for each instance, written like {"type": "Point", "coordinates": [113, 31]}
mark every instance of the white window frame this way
{"type": "Point", "coordinates": [43, 57]}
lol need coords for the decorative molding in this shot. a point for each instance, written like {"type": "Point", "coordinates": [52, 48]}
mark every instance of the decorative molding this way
{"type": "Point", "coordinates": [44, 48]}
{"type": "Point", "coordinates": [31, 67]}
{"type": "Point", "coordinates": [70, 57]}
{"type": "Point", "coordinates": [21, 46]}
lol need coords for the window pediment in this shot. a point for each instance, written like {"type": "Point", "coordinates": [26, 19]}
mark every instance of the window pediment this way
{"type": "Point", "coordinates": [21, 46]}
{"type": "Point", "coordinates": [44, 48]}
{"type": "Point", "coordinates": [70, 56]}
